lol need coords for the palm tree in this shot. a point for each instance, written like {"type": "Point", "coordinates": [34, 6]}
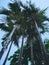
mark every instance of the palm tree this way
{"type": "Point", "coordinates": [24, 20]}
{"type": "Point", "coordinates": [10, 28]}
{"type": "Point", "coordinates": [38, 16]}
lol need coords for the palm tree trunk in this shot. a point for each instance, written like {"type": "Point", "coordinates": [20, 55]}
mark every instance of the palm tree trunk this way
{"type": "Point", "coordinates": [7, 54]}
{"type": "Point", "coordinates": [43, 50]}
{"type": "Point", "coordinates": [3, 49]}
{"type": "Point", "coordinates": [21, 53]}
{"type": "Point", "coordinates": [32, 56]}
{"type": "Point", "coordinates": [6, 43]}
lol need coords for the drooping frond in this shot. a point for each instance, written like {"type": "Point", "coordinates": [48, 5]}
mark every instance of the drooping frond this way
{"type": "Point", "coordinates": [4, 11]}
{"type": "Point", "coordinates": [4, 27]}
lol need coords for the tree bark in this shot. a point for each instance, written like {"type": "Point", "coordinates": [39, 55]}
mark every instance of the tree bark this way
{"type": "Point", "coordinates": [21, 53]}
{"type": "Point", "coordinates": [7, 54]}
{"type": "Point", "coordinates": [43, 50]}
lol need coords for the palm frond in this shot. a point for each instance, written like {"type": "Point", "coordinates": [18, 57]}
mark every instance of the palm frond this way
{"type": "Point", "coordinates": [4, 27]}
{"type": "Point", "coordinates": [4, 11]}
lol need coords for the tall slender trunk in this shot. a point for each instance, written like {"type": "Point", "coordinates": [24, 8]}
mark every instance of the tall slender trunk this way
{"type": "Point", "coordinates": [7, 54]}
{"type": "Point", "coordinates": [6, 43]}
{"type": "Point", "coordinates": [32, 56]}
{"type": "Point", "coordinates": [43, 50]}
{"type": "Point", "coordinates": [3, 49]}
{"type": "Point", "coordinates": [21, 53]}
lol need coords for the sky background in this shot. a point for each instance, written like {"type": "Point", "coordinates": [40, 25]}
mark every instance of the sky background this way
{"type": "Point", "coordinates": [42, 4]}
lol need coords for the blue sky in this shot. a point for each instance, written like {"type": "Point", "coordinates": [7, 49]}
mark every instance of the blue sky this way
{"type": "Point", "coordinates": [42, 4]}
